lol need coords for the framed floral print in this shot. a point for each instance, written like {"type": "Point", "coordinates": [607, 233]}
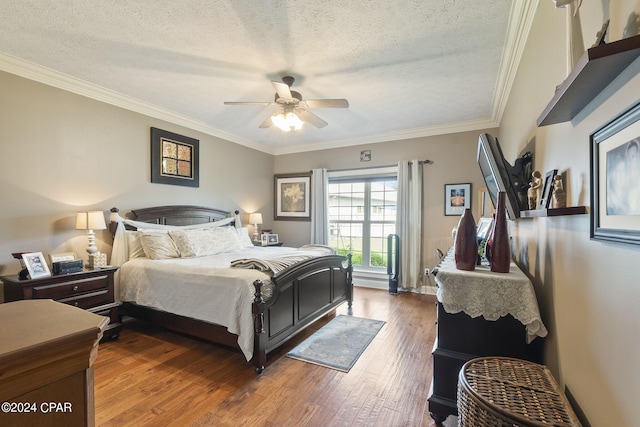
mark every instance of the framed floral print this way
{"type": "Point", "coordinates": [293, 197]}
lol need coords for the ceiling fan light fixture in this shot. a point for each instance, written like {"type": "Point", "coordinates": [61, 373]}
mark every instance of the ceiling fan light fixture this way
{"type": "Point", "coordinates": [287, 121]}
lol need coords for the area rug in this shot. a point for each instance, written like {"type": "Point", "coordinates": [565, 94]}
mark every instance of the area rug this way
{"type": "Point", "coordinates": [339, 343]}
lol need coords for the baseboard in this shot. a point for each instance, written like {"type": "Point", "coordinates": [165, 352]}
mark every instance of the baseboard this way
{"type": "Point", "coordinates": [367, 279]}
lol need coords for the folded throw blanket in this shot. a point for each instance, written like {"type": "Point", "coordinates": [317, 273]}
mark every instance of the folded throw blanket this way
{"type": "Point", "coordinates": [279, 263]}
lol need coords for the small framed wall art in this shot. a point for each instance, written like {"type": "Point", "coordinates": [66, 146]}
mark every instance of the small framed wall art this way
{"type": "Point", "coordinates": [457, 198]}
{"type": "Point", "coordinates": [174, 159]}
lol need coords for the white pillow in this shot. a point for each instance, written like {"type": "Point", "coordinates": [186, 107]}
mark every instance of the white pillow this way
{"type": "Point", "coordinates": [135, 246]}
{"type": "Point", "coordinates": [205, 241]}
{"type": "Point", "coordinates": [158, 245]}
{"type": "Point", "coordinates": [243, 235]}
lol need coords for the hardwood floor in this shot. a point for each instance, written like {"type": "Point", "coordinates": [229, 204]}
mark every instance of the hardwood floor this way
{"type": "Point", "coordinates": [152, 377]}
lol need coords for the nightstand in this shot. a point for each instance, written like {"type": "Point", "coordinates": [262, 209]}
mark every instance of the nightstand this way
{"type": "Point", "coordinates": [92, 290]}
{"type": "Point", "coordinates": [273, 244]}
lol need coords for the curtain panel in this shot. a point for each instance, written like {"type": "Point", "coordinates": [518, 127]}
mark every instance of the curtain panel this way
{"type": "Point", "coordinates": [409, 224]}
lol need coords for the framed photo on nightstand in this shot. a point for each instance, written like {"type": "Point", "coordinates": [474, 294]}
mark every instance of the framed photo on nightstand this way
{"type": "Point", "coordinates": [36, 265]}
{"type": "Point", "coordinates": [269, 239]}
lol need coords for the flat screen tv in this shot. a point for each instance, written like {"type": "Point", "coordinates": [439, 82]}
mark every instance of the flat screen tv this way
{"type": "Point", "coordinates": [499, 175]}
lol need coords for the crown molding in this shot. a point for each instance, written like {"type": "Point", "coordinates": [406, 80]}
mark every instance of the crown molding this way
{"type": "Point", "coordinates": [393, 136]}
{"type": "Point", "coordinates": [520, 21]}
{"type": "Point", "coordinates": [80, 87]}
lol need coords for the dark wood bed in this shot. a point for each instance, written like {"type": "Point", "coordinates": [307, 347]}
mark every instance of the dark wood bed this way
{"type": "Point", "coordinates": [301, 294]}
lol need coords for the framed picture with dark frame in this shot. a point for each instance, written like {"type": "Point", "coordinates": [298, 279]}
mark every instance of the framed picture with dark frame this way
{"type": "Point", "coordinates": [547, 189]}
{"type": "Point", "coordinates": [615, 173]}
{"type": "Point", "coordinates": [174, 159]}
{"type": "Point", "coordinates": [457, 198]}
{"type": "Point", "coordinates": [292, 197]}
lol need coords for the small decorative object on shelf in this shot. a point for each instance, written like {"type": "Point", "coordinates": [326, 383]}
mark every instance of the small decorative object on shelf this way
{"type": "Point", "coordinates": [547, 188]}
{"type": "Point", "coordinates": [559, 198]}
{"type": "Point", "coordinates": [466, 246]}
{"type": "Point", "coordinates": [534, 189]}
{"type": "Point", "coordinates": [500, 249]}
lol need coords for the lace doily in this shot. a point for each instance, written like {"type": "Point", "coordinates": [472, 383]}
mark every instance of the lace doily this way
{"type": "Point", "coordinates": [490, 295]}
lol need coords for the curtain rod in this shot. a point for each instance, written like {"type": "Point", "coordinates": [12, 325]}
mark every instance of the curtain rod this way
{"type": "Point", "coordinates": [422, 162]}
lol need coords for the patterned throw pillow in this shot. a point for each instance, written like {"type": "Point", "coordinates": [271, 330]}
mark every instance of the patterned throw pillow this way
{"type": "Point", "coordinates": [158, 245]}
{"type": "Point", "coordinates": [208, 241]}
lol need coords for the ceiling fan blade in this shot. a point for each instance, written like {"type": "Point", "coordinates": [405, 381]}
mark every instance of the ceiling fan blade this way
{"type": "Point", "coordinates": [308, 117]}
{"type": "Point", "coordinates": [282, 89]}
{"type": "Point", "coordinates": [267, 123]}
{"type": "Point", "coordinates": [327, 103]}
{"type": "Point", "coordinates": [248, 103]}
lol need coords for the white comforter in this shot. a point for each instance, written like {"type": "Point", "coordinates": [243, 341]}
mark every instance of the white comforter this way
{"type": "Point", "coordinates": [203, 288]}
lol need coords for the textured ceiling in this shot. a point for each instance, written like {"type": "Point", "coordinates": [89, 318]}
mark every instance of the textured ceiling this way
{"type": "Point", "coordinates": [408, 67]}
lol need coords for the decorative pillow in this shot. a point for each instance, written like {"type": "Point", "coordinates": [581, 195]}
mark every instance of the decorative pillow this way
{"type": "Point", "coordinates": [206, 241]}
{"type": "Point", "coordinates": [135, 246]}
{"type": "Point", "coordinates": [158, 245]}
{"type": "Point", "coordinates": [243, 235]}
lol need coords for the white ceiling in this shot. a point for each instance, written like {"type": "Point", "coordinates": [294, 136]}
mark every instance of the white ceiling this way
{"type": "Point", "coordinates": [409, 68]}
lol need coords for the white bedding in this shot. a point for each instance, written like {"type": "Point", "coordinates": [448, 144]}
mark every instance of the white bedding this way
{"type": "Point", "coordinates": [203, 288]}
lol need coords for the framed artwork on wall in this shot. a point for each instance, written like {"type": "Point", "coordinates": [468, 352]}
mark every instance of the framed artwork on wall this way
{"type": "Point", "coordinates": [292, 197]}
{"type": "Point", "coordinates": [174, 159]}
{"type": "Point", "coordinates": [457, 198]}
{"type": "Point", "coordinates": [615, 173]}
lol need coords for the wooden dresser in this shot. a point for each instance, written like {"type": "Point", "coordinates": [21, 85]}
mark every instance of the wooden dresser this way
{"type": "Point", "coordinates": [92, 290]}
{"type": "Point", "coordinates": [480, 313]}
{"type": "Point", "coordinates": [47, 350]}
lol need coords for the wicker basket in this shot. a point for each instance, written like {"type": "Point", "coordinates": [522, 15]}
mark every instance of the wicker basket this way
{"type": "Point", "coordinates": [501, 391]}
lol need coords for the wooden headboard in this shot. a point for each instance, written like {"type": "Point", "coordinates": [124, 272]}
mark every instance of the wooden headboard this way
{"type": "Point", "coordinates": [177, 215]}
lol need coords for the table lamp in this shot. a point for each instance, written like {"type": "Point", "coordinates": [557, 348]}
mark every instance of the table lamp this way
{"type": "Point", "coordinates": [255, 219]}
{"type": "Point", "coordinates": [93, 220]}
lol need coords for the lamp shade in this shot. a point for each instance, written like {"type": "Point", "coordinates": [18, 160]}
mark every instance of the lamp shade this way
{"type": "Point", "coordinates": [255, 218]}
{"type": "Point", "coordinates": [93, 220]}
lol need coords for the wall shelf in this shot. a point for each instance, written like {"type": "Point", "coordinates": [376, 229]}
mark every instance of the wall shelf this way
{"type": "Point", "coordinates": [539, 213]}
{"type": "Point", "coordinates": [597, 67]}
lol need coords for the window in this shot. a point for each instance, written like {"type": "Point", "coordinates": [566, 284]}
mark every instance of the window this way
{"type": "Point", "coordinates": [362, 213]}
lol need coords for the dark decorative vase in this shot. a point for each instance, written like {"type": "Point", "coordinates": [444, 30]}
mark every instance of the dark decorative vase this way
{"type": "Point", "coordinates": [487, 246]}
{"type": "Point", "coordinates": [500, 248]}
{"type": "Point", "coordinates": [466, 246]}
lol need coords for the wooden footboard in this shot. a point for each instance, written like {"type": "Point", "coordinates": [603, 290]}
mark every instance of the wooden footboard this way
{"type": "Point", "coordinates": [301, 295]}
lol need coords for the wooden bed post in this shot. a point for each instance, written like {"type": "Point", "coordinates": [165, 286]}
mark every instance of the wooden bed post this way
{"type": "Point", "coordinates": [258, 308]}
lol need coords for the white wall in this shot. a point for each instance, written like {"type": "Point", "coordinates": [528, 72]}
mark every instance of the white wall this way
{"type": "Point", "coordinates": [587, 289]}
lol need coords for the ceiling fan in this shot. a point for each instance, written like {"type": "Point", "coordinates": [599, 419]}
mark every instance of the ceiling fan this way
{"type": "Point", "coordinates": [293, 112]}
